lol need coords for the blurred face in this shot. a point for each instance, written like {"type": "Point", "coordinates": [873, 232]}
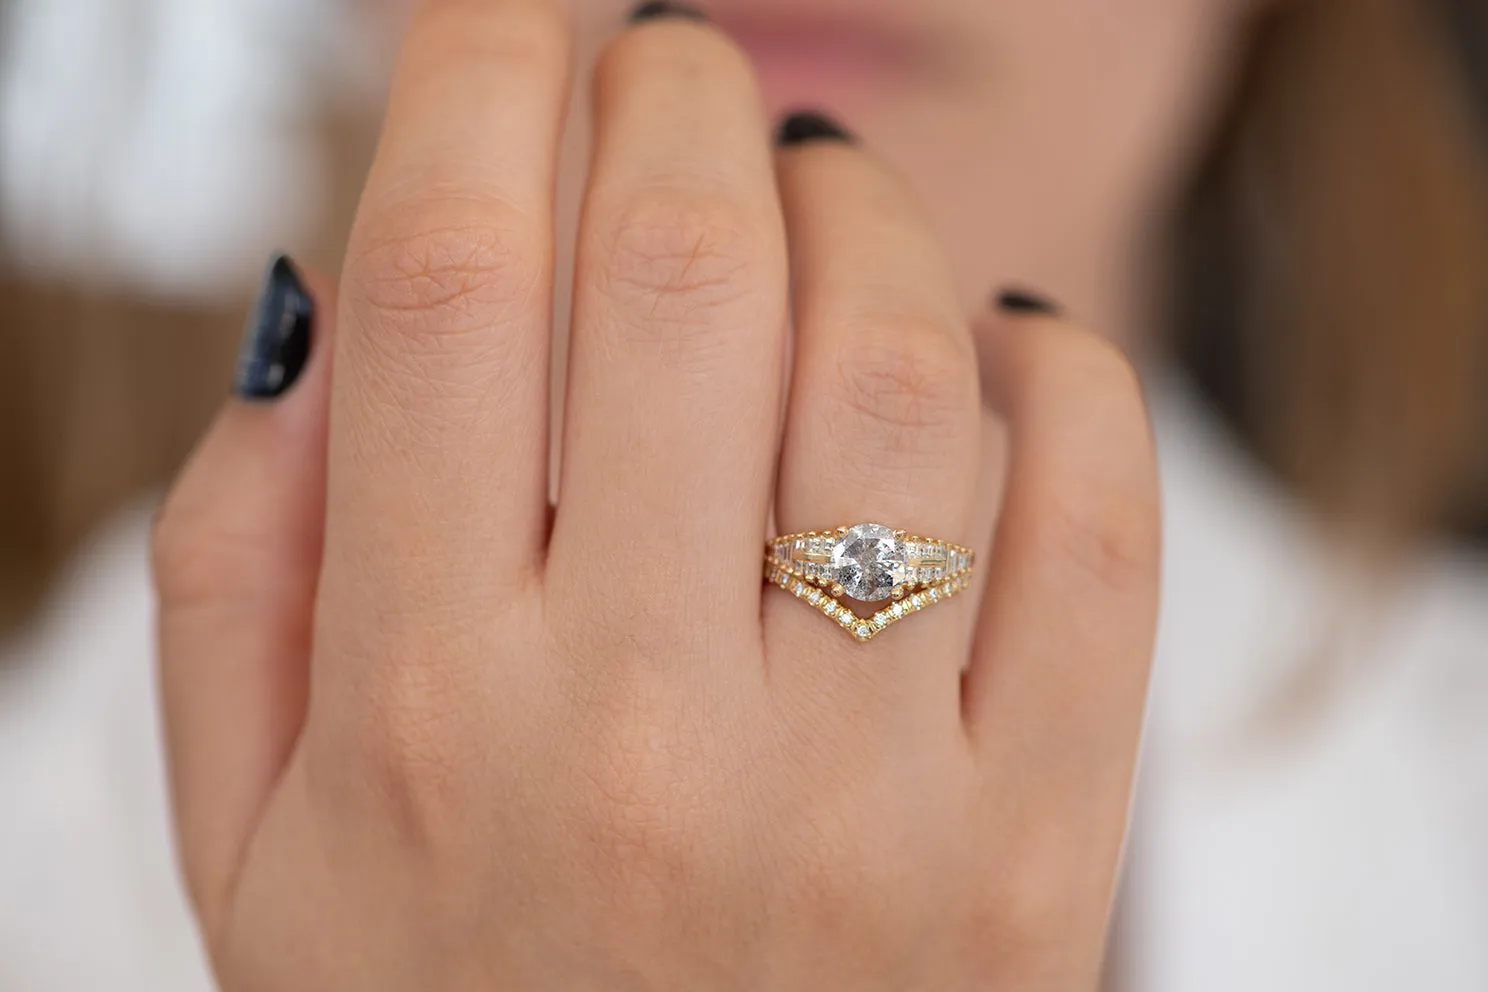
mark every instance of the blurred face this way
{"type": "Point", "coordinates": [1045, 136]}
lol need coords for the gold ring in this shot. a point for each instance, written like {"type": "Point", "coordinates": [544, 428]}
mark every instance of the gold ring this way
{"type": "Point", "coordinates": [867, 563]}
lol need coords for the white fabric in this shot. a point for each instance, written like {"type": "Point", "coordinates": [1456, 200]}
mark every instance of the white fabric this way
{"type": "Point", "coordinates": [1347, 851]}
{"type": "Point", "coordinates": [1345, 848]}
{"type": "Point", "coordinates": [89, 899]}
{"type": "Point", "coordinates": [168, 145]}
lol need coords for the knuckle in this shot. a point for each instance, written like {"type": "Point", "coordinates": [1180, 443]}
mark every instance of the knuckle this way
{"type": "Point", "coordinates": [651, 810]}
{"type": "Point", "coordinates": [1103, 538]}
{"type": "Point", "coordinates": [1031, 912]}
{"type": "Point", "coordinates": [1102, 519]}
{"type": "Point", "coordinates": [1043, 892]}
{"type": "Point", "coordinates": [408, 738]}
{"type": "Point", "coordinates": [676, 256]}
{"type": "Point", "coordinates": [845, 877]}
{"type": "Point", "coordinates": [199, 557]}
{"type": "Point", "coordinates": [172, 550]}
{"type": "Point", "coordinates": [442, 284]}
{"type": "Point", "coordinates": [637, 832]}
{"type": "Point", "coordinates": [1100, 524]}
{"type": "Point", "coordinates": [908, 382]}
{"type": "Point", "coordinates": [439, 265]}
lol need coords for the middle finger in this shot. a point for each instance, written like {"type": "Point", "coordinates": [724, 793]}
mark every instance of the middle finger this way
{"type": "Point", "coordinates": [680, 322]}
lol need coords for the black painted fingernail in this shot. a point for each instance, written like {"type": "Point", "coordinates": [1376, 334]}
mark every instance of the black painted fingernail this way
{"type": "Point", "coordinates": [1023, 301]}
{"type": "Point", "coordinates": [811, 125]}
{"type": "Point", "coordinates": [276, 343]}
{"type": "Point", "coordinates": [655, 9]}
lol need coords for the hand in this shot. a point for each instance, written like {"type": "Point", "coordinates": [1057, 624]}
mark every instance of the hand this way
{"type": "Point", "coordinates": [425, 738]}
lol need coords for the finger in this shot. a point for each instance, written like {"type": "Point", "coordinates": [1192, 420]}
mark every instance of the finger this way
{"type": "Point", "coordinates": [884, 421]}
{"type": "Point", "coordinates": [679, 330]}
{"type": "Point", "coordinates": [1055, 693]}
{"type": "Point", "coordinates": [439, 418]}
{"type": "Point", "coordinates": [236, 553]}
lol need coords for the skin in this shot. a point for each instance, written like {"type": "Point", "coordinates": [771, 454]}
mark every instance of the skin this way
{"type": "Point", "coordinates": [427, 733]}
{"type": "Point", "coordinates": [1045, 138]}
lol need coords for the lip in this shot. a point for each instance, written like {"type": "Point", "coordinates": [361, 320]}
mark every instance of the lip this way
{"type": "Point", "coordinates": [812, 55]}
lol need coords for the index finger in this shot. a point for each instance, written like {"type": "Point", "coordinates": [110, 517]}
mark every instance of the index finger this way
{"type": "Point", "coordinates": [440, 411]}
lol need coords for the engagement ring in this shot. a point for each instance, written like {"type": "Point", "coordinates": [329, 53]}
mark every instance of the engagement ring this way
{"type": "Point", "coordinates": [867, 563]}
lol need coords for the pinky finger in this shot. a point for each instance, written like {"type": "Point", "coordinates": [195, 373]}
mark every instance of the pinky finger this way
{"type": "Point", "coordinates": [1055, 694]}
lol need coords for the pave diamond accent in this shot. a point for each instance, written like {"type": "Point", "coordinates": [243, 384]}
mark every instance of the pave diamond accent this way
{"type": "Point", "coordinates": [860, 629]}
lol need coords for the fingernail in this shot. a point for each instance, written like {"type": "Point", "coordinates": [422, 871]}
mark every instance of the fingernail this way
{"type": "Point", "coordinates": [811, 125]}
{"type": "Point", "coordinates": [655, 9]}
{"type": "Point", "coordinates": [276, 342]}
{"type": "Point", "coordinates": [1024, 301]}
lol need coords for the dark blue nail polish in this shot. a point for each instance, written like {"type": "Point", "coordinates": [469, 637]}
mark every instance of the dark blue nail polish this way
{"type": "Point", "coordinates": [276, 342]}
{"type": "Point", "coordinates": [811, 125]}
{"type": "Point", "coordinates": [1022, 301]}
{"type": "Point", "coordinates": [656, 9]}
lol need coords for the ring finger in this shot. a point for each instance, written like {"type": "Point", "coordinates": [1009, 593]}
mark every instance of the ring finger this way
{"type": "Point", "coordinates": [884, 423]}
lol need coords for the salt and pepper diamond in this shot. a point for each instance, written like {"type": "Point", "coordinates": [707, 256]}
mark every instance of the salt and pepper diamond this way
{"type": "Point", "coordinates": [868, 561]}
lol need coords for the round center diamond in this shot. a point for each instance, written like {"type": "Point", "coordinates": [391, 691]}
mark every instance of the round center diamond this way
{"type": "Point", "coordinates": [869, 562]}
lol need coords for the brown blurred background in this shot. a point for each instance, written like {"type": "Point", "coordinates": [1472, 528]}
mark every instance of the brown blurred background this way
{"type": "Point", "coordinates": [108, 385]}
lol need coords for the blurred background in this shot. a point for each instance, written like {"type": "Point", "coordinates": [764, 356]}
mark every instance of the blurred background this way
{"type": "Point", "coordinates": [154, 152]}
